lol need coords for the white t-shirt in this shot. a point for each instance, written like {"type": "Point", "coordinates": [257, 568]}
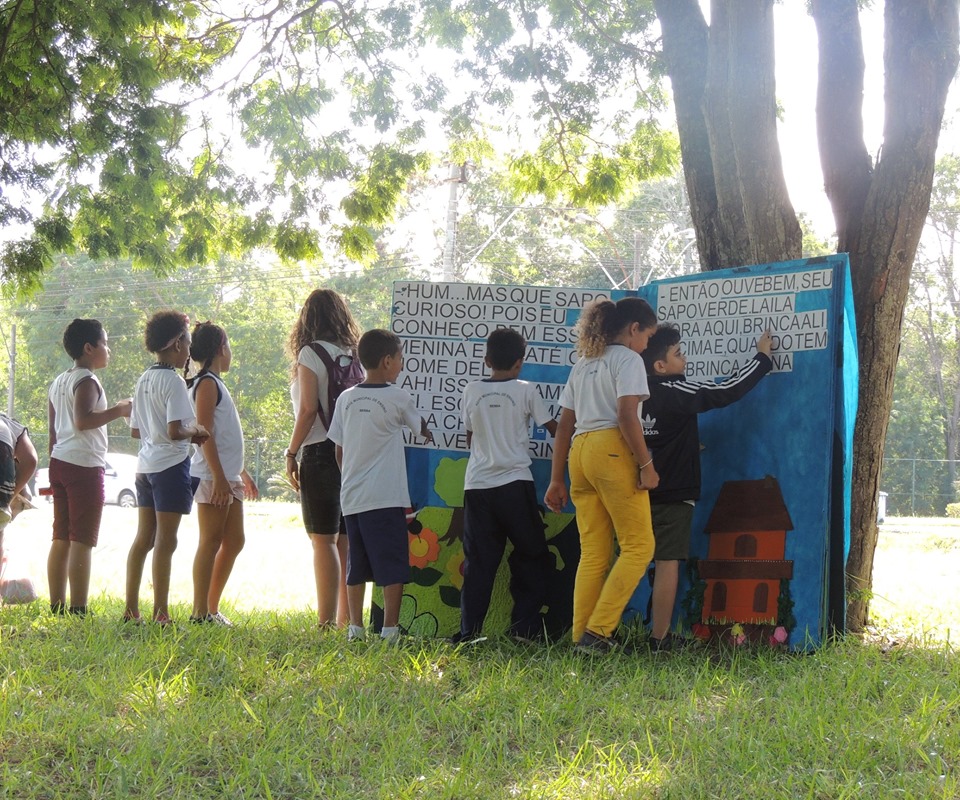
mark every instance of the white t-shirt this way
{"type": "Point", "coordinates": [10, 430]}
{"type": "Point", "coordinates": [595, 384]}
{"type": "Point", "coordinates": [309, 359]}
{"type": "Point", "coordinates": [82, 448]}
{"type": "Point", "coordinates": [227, 434]}
{"type": "Point", "coordinates": [499, 414]}
{"type": "Point", "coordinates": [160, 397]}
{"type": "Point", "coordinates": [368, 423]}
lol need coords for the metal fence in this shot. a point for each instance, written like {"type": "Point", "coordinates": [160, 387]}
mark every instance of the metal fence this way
{"type": "Point", "coordinates": [915, 487]}
{"type": "Point", "coordinates": [918, 487]}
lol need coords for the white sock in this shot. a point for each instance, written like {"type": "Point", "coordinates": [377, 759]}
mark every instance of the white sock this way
{"type": "Point", "coordinates": [390, 633]}
{"type": "Point", "coordinates": [355, 632]}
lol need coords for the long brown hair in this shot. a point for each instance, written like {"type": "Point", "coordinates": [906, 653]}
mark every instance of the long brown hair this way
{"type": "Point", "coordinates": [603, 320]}
{"type": "Point", "coordinates": [325, 316]}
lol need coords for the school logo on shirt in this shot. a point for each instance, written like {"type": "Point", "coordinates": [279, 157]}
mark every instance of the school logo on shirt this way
{"type": "Point", "coordinates": [648, 423]}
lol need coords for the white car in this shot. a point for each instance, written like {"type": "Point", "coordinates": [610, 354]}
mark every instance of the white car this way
{"type": "Point", "coordinates": [119, 480]}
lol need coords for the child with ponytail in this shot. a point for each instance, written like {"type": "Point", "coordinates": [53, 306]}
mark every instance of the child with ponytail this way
{"type": "Point", "coordinates": [611, 471]}
{"type": "Point", "coordinates": [222, 483]}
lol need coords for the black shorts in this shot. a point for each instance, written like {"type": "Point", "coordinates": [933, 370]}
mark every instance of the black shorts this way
{"type": "Point", "coordinates": [379, 547]}
{"type": "Point", "coordinates": [8, 474]}
{"type": "Point", "coordinates": [320, 488]}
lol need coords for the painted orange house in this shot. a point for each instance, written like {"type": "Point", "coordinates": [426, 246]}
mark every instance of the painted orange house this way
{"type": "Point", "coordinates": [745, 561]}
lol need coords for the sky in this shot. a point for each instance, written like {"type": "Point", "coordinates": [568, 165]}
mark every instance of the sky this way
{"type": "Point", "coordinates": [796, 89]}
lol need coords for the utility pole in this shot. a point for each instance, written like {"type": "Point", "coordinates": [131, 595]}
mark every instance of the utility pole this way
{"type": "Point", "coordinates": [457, 176]}
{"type": "Point", "coordinates": [12, 373]}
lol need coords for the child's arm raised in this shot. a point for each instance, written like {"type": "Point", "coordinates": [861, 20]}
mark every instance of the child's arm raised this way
{"type": "Point", "coordinates": [85, 398]}
{"type": "Point", "coordinates": [628, 419]}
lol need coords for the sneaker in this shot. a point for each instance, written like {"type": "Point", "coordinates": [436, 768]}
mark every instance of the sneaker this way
{"type": "Point", "coordinates": [5, 516]}
{"type": "Point", "coordinates": [219, 619]}
{"type": "Point", "coordinates": [592, 643]}
{"type": "Point", "coordinates": [201, 620]}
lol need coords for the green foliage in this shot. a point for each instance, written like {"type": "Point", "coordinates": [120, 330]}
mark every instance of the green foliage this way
{"type": "Point", "coordinates": [256, 303]}
{"type": "Point", "coordinates": [175, 134]}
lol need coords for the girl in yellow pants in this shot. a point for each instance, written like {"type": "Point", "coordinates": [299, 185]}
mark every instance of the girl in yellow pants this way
{"type": "Point", "coordinates": [610, 468]}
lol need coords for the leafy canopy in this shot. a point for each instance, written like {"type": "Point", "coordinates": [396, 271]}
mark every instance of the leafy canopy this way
{"type": "Point", "coordinates": [178, 132]}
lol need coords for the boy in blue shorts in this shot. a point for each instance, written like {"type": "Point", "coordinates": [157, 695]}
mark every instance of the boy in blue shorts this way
{"type": "Point", "coordinates": [367, 426]}
{"type": "Point", "coordinates": [499, 501]}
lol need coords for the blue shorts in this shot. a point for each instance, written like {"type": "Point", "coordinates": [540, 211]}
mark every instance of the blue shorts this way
{"type": "Point", "coordinates": [379, 547]}
{"type": "Point", "coordinates": [169, 490]}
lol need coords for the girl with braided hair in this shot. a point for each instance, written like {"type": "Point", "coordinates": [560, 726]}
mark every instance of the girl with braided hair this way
{"type": "Point", "coordinates": [220, 480]}
{"type": "Point", "coordinates": [611, 471]}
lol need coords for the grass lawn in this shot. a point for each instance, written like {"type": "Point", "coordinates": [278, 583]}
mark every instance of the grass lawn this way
{"type": "Point", "coordinates": [275, 709]}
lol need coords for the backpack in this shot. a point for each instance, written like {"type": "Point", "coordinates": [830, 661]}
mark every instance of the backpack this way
{"type": "Point", "coordinates": [342, 373]}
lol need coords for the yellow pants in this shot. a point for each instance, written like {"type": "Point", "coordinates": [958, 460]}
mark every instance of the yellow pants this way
{"type": "Point", "coordinates": [603, 488]}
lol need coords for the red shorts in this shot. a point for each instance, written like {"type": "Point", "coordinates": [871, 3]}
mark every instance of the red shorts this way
{"type": "Point", "coordinates": [78, 498]}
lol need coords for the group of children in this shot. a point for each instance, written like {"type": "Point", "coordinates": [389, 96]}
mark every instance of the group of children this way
{"type": "Point", "coordinates": [632, 490]}
{"type": "Point", "coordinates": [166, 413]}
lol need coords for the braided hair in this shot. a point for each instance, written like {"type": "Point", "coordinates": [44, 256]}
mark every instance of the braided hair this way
{"type": "Point", "coordinates": [603, 320]}
{"type": "Point", "coordinates": [208, 339]}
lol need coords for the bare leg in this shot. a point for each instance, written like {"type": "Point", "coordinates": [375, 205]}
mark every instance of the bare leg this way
{"type": "Point", "coordinates": [78, 572]}
{"type": "Point", "coordinates": [392, 597]}
{"type": "Point", "coordinates": [168, 522]}
{"type": "Point", "coordinates": [211, 521]}
{"type": "Point", "coordinates": [142, 545]}
{"type": "Point", "coordinates": [230, 546]}
{"type": "Point", "coordinates": [355, 596]}
{"type": "Point", "coordinates": [343, 608]}
{"type": "Point", "coordinates": [663, 597]}
{"type": "Point", "coordinates": [328, 576]}
{"type": "Point", "coordinates": [57, 572]}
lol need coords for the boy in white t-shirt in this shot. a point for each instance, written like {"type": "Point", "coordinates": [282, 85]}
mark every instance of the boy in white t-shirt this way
{"type": "Point", "coordinates": [78, 416]}
{"type": "Point", "coordinates": [367, 428]}
{"type": "Point", "coordinates": [499, 501]}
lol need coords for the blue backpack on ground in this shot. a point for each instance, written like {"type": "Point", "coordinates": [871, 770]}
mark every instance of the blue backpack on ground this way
{"type": "Point", "coordinates": [343, 372]}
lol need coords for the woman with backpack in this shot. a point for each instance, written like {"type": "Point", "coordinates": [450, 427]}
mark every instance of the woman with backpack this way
{"type": "Point", "coordinates": [322, 346]}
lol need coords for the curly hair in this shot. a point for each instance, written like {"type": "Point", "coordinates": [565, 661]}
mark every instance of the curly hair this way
{"type": "Point", "coordinates": [163, 328]}
{"type": "Point", "coordinates": [603, 320]}
{"type": "Point", "coordinates": [325, 316]}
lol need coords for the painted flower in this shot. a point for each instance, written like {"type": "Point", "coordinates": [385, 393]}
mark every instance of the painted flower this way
{"type": "Point", "coordinates": [700, 631]}
{"type": "Point", "coordinates": [779, 636]}
{"type": "Point", "coordinates": [424, 547]}
{"type": "Point", "coordinates": [455, 569]}
{"type": "Point", "coordinates": [737, 635]}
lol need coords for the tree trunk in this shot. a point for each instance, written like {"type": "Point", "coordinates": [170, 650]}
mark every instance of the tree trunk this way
{"type": "Point", "coordinates": [724, 93]}
{"type": "Point", "coordinates": [920, 61]}
{"type": "Point", "coordinates": [724, 89]}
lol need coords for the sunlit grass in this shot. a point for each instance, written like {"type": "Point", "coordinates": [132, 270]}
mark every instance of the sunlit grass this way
{"type": "Point", "coordinates": [274, 708]}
